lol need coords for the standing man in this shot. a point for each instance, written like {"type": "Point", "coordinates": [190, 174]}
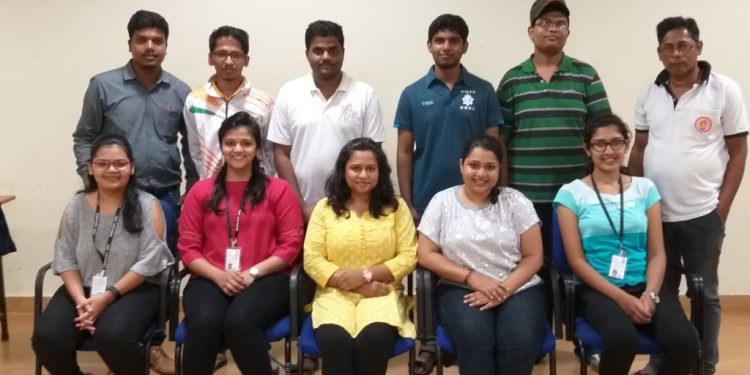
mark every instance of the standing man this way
{"type": "Point", "coordinates": [440, 112]}
{"type": "Point", "coordinates": [144, 103]}
{"type": "Point", "coordinates": [691, 141]}
{"type": "Point", "coordinates": [546, 100]}
{"type": "Point", "coordinates": [226, 93]}
{"type": "Point", "coordinates": [317, 114]}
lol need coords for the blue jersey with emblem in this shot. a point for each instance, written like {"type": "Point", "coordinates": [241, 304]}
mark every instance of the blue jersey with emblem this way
{"type": "Point", "coordinates": [441, 120]}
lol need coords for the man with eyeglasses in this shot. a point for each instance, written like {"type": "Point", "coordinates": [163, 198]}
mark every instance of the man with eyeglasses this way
{"type": "Point", "coordinates": [545, 101]}
{"type": "Point", "coordinates": [226, 93]}
{"type": "Point", "coordinates": [691, 141]}
{"type": "Point", "coordinates": [144, 103]}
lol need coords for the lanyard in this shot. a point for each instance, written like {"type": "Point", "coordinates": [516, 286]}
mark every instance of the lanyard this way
{"type": "Point", "coordinates": [622, 211]}
{"type": "Point", "coordinates": [232, 236]}
{"type": "Point", "coordinates": [105, 256]}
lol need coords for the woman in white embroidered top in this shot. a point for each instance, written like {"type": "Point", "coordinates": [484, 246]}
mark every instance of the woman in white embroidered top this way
{"type": "Point", "coordinates": [611, 228]}
{"type": "Point", "coordinates": [484, 242]}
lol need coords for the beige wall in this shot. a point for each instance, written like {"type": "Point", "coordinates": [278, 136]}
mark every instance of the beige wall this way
{"type": "Point", "coordinates": [52, 48]}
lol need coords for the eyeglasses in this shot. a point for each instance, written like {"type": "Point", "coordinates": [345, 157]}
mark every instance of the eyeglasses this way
{"type": "Point", "coordinates": [222, 55]}
{"type": "Point", "coordinates": [615, 144]}
{"type": "Point", "coordinates": [104, 165]}
{"type": "Point", "coordinates": [546, 24]}
{"type": "Point", "coordinates": [682, 47]}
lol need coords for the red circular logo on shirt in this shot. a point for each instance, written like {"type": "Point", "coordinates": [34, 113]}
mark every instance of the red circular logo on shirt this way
{"type": "Point", "coordinates": [703, 124]}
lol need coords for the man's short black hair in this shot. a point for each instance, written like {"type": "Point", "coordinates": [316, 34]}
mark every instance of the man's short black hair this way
{"type": "Point", "coordinates": [232, 32]}
{"type": "Point", "coordinates": [450, 22]}
{"type": "Point", "coordinates": [323, 28]}
{"type": "Point", "coordinates": [143, 19]}
{"type": "Point", "coordinates": [670, 23]}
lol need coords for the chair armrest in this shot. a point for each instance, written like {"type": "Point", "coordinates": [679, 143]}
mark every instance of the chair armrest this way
{"type": "Point", "coordinates": [301, 293]}
{"type": "Point", "coordinates": [174, 300]}
{"type": "Point", "coordinates": [697, 301]}
{"type": "Point", "coordinates": [426, 281]}
{"type": "Point", "coordinates": [552, 278]}
{"type": "Point", "coordinates": [165, 281]}
{"type": "Point", "coordinates": [39, 290]}
{"type": "Point", "coordinates": [569, 308]}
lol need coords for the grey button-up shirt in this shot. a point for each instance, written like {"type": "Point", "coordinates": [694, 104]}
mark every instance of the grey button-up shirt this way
{"type": "Point", "coordinates": [115, 102]}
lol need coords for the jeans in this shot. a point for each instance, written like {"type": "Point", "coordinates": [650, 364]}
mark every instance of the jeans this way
{"type": "Point", "coordinates": [170, 205]}
{"type": "Point", "coordinates": [503, 340]}
{"type": "Point", "coordinates": [694, 246]}
{"type": "Point", "coordinates": [366, 354]}
{"type": "Point", "coordinates": [211, 315]}
{"type": "Point", "coordinates": [669, 327]}
{"type": "Point", "coordinates": [544, 211]}
{"type": "Point", "coordinates": [119, 332]}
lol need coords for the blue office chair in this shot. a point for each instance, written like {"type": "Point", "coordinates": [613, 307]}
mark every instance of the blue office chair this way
{"type": "Point", "coordinates": [280, 330]}
{"type": "Point", "coordinates": [429, 326]}
{"type": "Point", "coordinates": [154, 335]}
{"type": "Point", "coordinates": [307, 345]}
{"type": "Point", "coordinates": [579, 331]}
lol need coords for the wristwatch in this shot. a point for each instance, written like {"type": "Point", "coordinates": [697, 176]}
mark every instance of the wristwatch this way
{"type": "Point", "coordinates": [254, 272]}
{"type": "Point", "coordinates": [367, 274]}
{"type": "Point", "coordinates": [653, 296]}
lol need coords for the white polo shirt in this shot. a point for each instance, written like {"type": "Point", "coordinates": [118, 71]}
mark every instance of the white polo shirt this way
{"type": "Point", "coordinates": [317, 128]}
{"type": "Point", "coordinates": [686, 154]}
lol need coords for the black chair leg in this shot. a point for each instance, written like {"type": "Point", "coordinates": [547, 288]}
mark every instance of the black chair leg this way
{"type": "Point", "coordinates": [3, 307]}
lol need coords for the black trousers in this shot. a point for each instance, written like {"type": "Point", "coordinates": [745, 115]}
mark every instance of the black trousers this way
{"type": "Point", "coordinates": [367, 354]}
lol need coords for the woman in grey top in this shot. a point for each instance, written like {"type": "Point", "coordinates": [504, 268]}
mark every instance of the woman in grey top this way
{"type": "Point", "coordinates": [109, 251]}
{"type": "Point", "coordinates": [485, 244]}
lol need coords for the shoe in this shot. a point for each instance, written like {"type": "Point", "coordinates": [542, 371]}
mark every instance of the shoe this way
{"type": "Point", "coordinates": [274, 366]}
{"type": "Point", "coordinates": [160, 361]}
{"type": "Point", "coordinates": [594, 360]}
{"type": "Point", "coordinates": [221, 360]}
{"type": "Point", "coordinates": [424, 362]}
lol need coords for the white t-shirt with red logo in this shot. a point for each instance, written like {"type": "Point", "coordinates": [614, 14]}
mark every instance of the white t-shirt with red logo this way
{"type": "Point", "coordinates": [686, 154]}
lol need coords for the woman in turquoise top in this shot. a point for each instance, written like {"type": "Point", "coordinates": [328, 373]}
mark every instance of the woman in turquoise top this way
{"type": "Point", "coordinates": [611, 228]}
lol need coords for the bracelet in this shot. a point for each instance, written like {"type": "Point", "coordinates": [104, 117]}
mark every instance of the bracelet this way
{"type": "Point", "coordinates": [116, 293]}
{"type": "Point", "coordinates": [466, 279]}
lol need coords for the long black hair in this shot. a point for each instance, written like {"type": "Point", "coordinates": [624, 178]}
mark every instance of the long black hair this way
{"type": "Point", "coordinates": [601, 121]}
{"type": "Point", "coordinates": [485, 142]}
{"type": "Point", "coordinates": [338, 192]}
{"type": "Point", "coordinates": [132, 212]}
{"type": "Point", "coordinates": [256, 187]}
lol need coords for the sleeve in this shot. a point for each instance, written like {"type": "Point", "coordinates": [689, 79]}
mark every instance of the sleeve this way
{"type": "Point", "coordinates": [641, 119]}
{"type": "Point", "coordinates": [190, 240]}
{"type": "Point", "coordinates": [267, 157]}
{"type": "Point", "coordinates": [278, 130]}
{"type": "Point", "coordinates": [89, 126]}
{"type": "Point", "coordinates": [403, 120]}
{"type": "Point", "coordinates": [652, 194]}
{"type": "Point", "coordinates": [565, 198]}
{"type": "Point", "coordinates": [191, 172]}
{"type": "Point", "coordinates": [67, 240]}
{"type": "Point", "coordinates": [153, 255]}
{"type": "Point", "coordinates": [494, 113]}
{"type": "Point", "coordinates": [734, 116]}
{"type": "Point", "coordinates": [193, 137]}
{"type": "Point", "coordinates": [596, 97]}
{"type": "Point", "coordinates": [524, 215]}
{"type": "Point", "coordinates": [507, 107]}
{"type": "Point", "coordinates": [286, 209]}
{"type": "Point", "coordinates": [406, 243]}
{"type": "Point", "coordinates": [431, 223]}
{"type": "Point", "coordinates": [315, 256]}
{"type": "Point", "coordinates": [373, 126]}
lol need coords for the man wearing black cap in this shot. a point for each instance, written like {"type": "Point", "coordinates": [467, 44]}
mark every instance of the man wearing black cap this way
{"type": "Point", "coordinates": [546, 100]}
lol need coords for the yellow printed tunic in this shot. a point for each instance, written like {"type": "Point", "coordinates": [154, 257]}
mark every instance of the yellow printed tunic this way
{"type": "Point", "coordinates": [335, 242]}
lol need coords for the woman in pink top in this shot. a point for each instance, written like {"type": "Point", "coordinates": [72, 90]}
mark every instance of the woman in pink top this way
{"type": "Point", "coordinates": [239, 258]}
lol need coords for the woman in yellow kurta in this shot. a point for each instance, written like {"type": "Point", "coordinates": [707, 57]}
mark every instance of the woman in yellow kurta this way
{"type": "Point", "coordinates": [360, 243]}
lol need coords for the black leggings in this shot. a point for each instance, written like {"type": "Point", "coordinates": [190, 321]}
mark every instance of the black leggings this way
{"type": "Point", "coordinates": [211, 315]}
{"type": "Point", "coordinates": [367, 354]}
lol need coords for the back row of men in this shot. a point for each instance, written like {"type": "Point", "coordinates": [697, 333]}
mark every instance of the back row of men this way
{"type": "Point", "coordinates": [691, 125]}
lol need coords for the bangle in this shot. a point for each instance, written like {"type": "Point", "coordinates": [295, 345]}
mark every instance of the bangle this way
{"type": "Point", "coordinates": [116, 293]}
{"type": "Point", "coordinates": [466, 279]}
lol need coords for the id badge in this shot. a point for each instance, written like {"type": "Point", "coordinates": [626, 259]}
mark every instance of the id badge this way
{"type": "Point", "coordinates": [98, 284]}
{"type": "Point", "coordinates": [232, 261]}
{"type": "Point", "coordinates": [617, 267]}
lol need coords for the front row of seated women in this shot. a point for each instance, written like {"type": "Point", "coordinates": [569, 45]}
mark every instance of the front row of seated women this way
{"type": "Point", "coordinates": [241, 232]}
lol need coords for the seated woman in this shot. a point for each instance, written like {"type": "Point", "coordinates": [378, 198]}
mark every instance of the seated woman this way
{"type": "Point", "coordinates": [110, 279]}
{"type": "Point", "coordinates": [240, 233]}
{"type": "Point", "coordinates": [484, 242]}
{"type": "Point", "coordinates": [611, 228]}
{"type": "Point", "coordinates": [360, 243]}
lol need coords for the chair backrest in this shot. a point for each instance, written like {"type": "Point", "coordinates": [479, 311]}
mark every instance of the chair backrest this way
{"type": "Point", "coordinates": [558, 249]}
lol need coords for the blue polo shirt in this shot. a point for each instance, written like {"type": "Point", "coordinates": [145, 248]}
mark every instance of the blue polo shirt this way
{"type": "Point", "coordinates": [441, 121]}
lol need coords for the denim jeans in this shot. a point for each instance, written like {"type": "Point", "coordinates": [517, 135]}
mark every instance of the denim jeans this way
{"type": "Point", "coordinates": [694, 246]}
{"type": "Point", "coordinates": [503, 340]}
{"type": "Point", "coordinates": [170, 205]}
